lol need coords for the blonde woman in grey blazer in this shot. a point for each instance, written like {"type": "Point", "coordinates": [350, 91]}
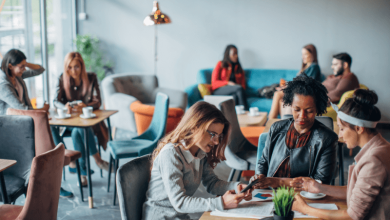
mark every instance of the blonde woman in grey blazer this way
{"type": "Point", "coordinates": [13, 90]}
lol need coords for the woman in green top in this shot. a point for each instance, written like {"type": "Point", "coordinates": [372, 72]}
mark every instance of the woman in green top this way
{"type": "Point", "coordinates": [309, 67]}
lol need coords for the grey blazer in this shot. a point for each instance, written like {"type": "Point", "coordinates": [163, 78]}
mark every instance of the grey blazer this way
{"type": "Point", "coordinates": [9, 97]}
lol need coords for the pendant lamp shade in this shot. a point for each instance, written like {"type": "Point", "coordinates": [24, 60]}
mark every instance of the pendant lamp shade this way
{"type": "Point", "coordinates": [156, 17]}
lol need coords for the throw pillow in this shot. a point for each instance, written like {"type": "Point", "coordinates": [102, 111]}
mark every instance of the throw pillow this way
{"type": "Point", "coordinates": [204, 89]}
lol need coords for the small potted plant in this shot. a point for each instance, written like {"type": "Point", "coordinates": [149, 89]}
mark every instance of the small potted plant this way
{"type": "Point", "coordinates": [283, 200]}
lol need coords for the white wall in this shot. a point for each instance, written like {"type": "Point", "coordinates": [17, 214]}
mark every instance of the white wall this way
{"type": "Point", "coordinates": [268, 34]}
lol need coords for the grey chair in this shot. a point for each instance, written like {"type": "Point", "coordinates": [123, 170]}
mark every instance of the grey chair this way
{"type": "Point", "coordinates": [120, 90]}
{"type": "Point", "coordinates": [132, 183]}
{"type": "Point", "coordinates": [240, 153]}
{"type": "Point", "coordinates": [17, 143]}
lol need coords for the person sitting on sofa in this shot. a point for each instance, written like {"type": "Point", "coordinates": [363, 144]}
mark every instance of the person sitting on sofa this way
{"type": "Point", "coordinates": [343, 79]}
{"type": "Point", "coordinates": [228, 77]}
{"type": "Point", "coordinates": [310, 67]}
{"type": "Point", "coordinates": [299, 146]}
{"type": "Point", "coordinates": [368, 190]}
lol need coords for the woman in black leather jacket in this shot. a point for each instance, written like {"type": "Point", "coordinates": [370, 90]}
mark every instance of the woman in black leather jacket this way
{"type": "Point", "coordinates": [300, 146]}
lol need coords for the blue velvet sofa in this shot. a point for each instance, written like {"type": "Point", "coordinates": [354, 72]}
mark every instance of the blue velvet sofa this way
{"type": "Point", "coordinates": [255, 79]}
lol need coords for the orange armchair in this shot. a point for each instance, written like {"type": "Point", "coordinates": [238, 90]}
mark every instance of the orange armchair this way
{"type": "Point", "coordinates": [143, 115]}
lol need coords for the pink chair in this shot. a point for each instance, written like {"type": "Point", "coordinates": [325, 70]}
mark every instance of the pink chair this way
{"type": "Point", "coordinates": [43, 189]}
{"type": "Point", "coordinates": [44, 140]}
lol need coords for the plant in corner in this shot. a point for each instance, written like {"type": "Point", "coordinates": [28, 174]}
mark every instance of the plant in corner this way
{"type": "Point", "coordinates": [283, 200]}
{"type": "Point", "coordinates": [89, 49]}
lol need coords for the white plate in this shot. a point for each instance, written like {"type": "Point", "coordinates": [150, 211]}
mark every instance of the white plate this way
{"type": "Point", "coordinates": [257, 114]}
{"type": "Point", "coordinates": [66, 116]}
{"type": "Point", "coordinates": [241, 113]}
{"type": "Point", "coordinates": [83, 116]}
{"type": "Point", "coordinates": [318, 196]}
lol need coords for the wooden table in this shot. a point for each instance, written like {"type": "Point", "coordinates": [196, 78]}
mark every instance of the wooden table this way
{"type": "Point", "coordinates": [246, 120]}
{"type": "Point", "coordinates": [341, 205]}
{"type": "Point", "coordinates": [5, 164]}
{"type": "Point", "coordinates": [76, 121]}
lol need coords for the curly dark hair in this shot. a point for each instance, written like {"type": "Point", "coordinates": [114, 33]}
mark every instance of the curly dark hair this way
{"type": "Point", "coordinates": [307, 86]}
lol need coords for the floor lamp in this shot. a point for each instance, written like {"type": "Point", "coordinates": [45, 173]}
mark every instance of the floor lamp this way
{"type": "Point", "coordinates": [156, 18]}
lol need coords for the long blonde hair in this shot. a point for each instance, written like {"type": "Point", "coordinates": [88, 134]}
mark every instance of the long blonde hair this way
{"type": "Point", "coordinates": [66, 76]}
{"type": "Point", "coordinates": [191, 128]}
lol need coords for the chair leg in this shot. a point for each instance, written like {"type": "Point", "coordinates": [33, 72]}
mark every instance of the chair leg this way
{"type": "Point", "coordinates": [63, 173]}
{"type": "Point", "coordinates": [109, 173]}
{"type": "Point", "coordinates": [341, 164]}
{"type": "Point", "coordinates": [239, 175]}
{"type": "Point", "coordinates": [116, 169]}
{"type": "Point", "coordinates": [101, 171]}
{"type": "Point", "coordinates": [79, 179]}
{"type": "Point", "coordinates": [231, 175]}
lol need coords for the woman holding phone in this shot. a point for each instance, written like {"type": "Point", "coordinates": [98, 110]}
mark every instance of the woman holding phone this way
{"type": "Point", "coordinates": [368, 190]}
{"type": "Point", "coordinates": [78, 89]}
{"type": "Point", "coordinates": [186, 157]}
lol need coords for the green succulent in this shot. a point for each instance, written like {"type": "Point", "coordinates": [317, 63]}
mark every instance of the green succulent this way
{"type": "Point", "coordinates": [283, 200]}
{"type": "Point", "coordinates": [89, 49]}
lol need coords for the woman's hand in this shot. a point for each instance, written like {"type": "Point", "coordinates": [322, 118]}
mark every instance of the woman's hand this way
{"type": "Point", "coordinates": [231, 200]}
{"type": "Point", "coordinates": [305, 184]}
{"type": "Point", "coordinates": [248, 193]}
{"type": "Point", "coordinates": [299, 204]}
{"type": "Point", "coordinates": [265, 182]}
{"type": "Point", "coordinates": [79, 107]}
{"type": "Point", "coordinates": [46, 106]}
{"type": "Point", "coordinates": [230, 83]}
{"type": "Point", "coordinates": [67, 106]}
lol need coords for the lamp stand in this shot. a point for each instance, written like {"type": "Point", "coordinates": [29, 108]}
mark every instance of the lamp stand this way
{"type": "Point", "coordinates": [155, 50]}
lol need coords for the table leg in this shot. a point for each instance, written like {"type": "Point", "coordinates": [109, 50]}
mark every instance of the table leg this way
{"type": "Point", "coordinates": [90, 197]}
{"type": "Point", "coordinates": [3, 189]}
{"type": "Point", "coordinates": [109, 129]}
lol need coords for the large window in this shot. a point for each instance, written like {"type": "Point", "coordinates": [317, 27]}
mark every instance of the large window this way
{"type": "Point", "coordinates": [20, 28]}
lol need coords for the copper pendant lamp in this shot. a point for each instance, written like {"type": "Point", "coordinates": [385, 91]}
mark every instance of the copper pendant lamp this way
{"type": "Point", "coordinates": [154, 19]}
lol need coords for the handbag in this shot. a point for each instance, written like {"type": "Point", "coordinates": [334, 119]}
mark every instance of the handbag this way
{"type": "Point", "coordinates": [268, 91]}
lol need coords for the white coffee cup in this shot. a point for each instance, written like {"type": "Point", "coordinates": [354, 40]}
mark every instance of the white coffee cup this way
{"type": "Point", "coordinates": [253, 110]}
{"type": "Point", "coordinates": [313, 194]}
{"type": "Point", "coordinates": [62, 112]}
{"type": "Point", "coordinates": [87, 111]}
{"type": "Point", "coordinates": [240, 109]}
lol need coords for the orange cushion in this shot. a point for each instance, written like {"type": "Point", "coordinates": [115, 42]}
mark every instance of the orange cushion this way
{"type": "Point", "coordinates": [143, 115]}
{"type": "Point", "coordinates": [252, 134]}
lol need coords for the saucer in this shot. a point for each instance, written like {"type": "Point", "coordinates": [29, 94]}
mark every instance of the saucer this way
{"type": "Point", "coordinates": [66, 116]}
{"type": "Point", "coordinates": [83, 116]}
{"type": "Point", "coordinates": [318, 196]}
{"type": "Point", "coordinates": [257, 114]}
{"type": "Point", "coordinates": [241, 113]}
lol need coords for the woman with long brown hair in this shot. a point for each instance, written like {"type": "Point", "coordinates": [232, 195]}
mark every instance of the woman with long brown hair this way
{"type": "Point", "coordinates": [75, 84]}
{"type": "Point", "coordinates": [228, 77]}
{"type": "Point", "coordinates": [309, 67]}
{"type": "Point", "coordinates": [184, 158]}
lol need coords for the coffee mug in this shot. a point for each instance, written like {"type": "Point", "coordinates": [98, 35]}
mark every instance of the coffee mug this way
{"type": "Point", "coordinates": [87, 111]}
{"type": "Point", "coordinates": [313, 194]}
{"type": "Point", "coordinates": [62, 112]}
{"type": "Point", "coordinates": [253, 110]}
{"type": "Point", "coordinates": [240, 109]}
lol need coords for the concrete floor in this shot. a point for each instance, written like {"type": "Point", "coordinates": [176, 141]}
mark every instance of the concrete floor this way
{"type": "Point", "coordinates": [73, 208]}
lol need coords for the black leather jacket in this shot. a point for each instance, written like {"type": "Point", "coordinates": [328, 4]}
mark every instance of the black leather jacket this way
{"type": "Point", "coordinates": [317, 159]}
